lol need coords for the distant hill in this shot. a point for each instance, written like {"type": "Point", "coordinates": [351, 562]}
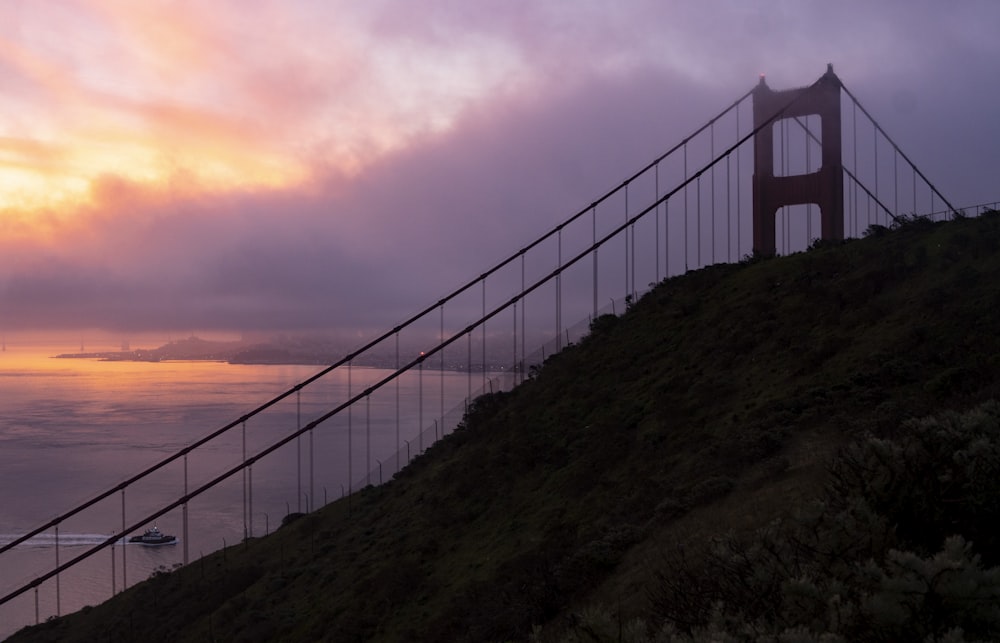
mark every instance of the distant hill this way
{"type": "Point", "coordinates": [276, 350]}
{"type": "Point", "coordinates": [795, 447]}
{"type": "Point", "coordinates": [190, 349]}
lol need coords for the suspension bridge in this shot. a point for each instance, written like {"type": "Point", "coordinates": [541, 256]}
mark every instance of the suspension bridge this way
{"type": "Point", "coordinates": [770, 174]}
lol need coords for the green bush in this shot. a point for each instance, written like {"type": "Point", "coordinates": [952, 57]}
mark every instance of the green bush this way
{"type": "Point", "coordinates": [900, 547]}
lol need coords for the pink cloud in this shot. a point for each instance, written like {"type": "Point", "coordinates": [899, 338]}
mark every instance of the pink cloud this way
{"type": "Point", "coordinates": [445, 177]}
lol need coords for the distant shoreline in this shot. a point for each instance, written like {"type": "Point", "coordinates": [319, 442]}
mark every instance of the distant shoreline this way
{"type": "Point", "coordinates": [275, 353]}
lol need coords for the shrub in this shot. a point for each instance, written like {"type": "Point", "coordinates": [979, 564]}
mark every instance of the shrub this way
{"type": "Point", "coordinates": [899, 547]}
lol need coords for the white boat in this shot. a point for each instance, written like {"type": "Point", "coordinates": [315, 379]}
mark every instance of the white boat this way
{"type": "Point", "coordinates": [154, 537]}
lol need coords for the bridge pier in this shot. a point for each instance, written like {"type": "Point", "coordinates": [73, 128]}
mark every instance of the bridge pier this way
{"type": "Point", "coordinates": [824, 187]}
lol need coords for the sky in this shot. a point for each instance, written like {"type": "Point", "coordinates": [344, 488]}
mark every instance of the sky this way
{"type": "Point", "coordinates": [259, 165]}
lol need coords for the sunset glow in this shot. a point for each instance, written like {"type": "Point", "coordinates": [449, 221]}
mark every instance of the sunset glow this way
{"type": "Point", "coordinates": [338, 134]}
{"type": "Point", "coordinates": [220, 97]}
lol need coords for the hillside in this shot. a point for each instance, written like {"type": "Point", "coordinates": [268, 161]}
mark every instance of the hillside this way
{"type": "Point", "coordinates": [736, 456]}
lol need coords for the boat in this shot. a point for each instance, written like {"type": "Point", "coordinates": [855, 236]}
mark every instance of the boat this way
{"type": "Point", "coordinates": [154, 537]}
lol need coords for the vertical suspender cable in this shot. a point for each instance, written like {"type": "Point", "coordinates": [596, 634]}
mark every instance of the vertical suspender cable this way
{"type": "Point", "coordinates": [420, 402]}
{"type": "Point", "coordinates": [895, 182]}
{"type": "Point", "coordinates": [854, 147]}
{"type": "Point", "coordinates": [729, 209]}
{"type": "Point", "coordinates": [442, 369]}
{"type": "Point", "coordinates": [789, 219]}
{"type": "Point", "coordinates": [514, 369]}
{"type": "Point", "coordinates": [524, 306]}
{"type": "Point", "coordinates": [656, 196]}
{"type": "Point", "coordinates": [124, 568]}
{"type": "Point", "coordinates": [868, 202]}
{"type": "Point", "coordinates": [879, 129]}
{"type": "Point", "coordinates": [779, 230]}
{"type": "Point", "coordinates": [711, 133]}
{"type": "Point", "coordinates": [739, 204]}
{"type": "Point", "coordinates": [781, 215]}
{"type": "Point", "coordinates": [786, 159]}
{"type": "Point", "coordinates": [58, 588]}
{"type": "Point", "coordinates": [484, 333]}
{"type": "Point", "coordinates": [635, 251]}
{"type": "Point", "coordinates": [184, 513]}
{"type": "Point", "coordinates": [298, 456]}
{"type": "Point", "coordinates": [875, 137]}
{"type": "Point", "coordinates": [809, 236]}
{"type": "Point", "coordinates": [368, 439]}
{"type": "Point", "coordinates": [666, 239]}
{"type": "Point", "coordinates": [631, 288]}
{"type": "Point", "coordinates": [243, 471]}
{"type": "Point", "coordinates": [697, 220]}
{"type": "Point", "coordinates": [627, 291]}
{"type": "Point", "coordinates": [559, 281]}
{"type": "Point", "coordinates": [398, 467]}
{"type": "Point", "coordinates": [350, 437]}
{"type": "Point", "coordinates": [250, 496]}
{"type": "Point", "coordinates": [686, 237]}
{"type": "Point", "coordinates": [593, 219]}
{"type": "Point", "coordinates": [312, 470]}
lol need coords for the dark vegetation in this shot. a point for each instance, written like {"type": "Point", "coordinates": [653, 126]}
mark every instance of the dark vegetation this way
{"type": "Point", "coordinates": [794, 449]}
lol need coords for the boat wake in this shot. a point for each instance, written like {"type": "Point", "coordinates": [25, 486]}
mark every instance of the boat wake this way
{"type": "Point", "coordinates": [47, 541]}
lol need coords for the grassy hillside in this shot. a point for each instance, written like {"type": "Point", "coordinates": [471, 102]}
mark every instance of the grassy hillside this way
{"type": "Point", "coordinates": [733, 457]}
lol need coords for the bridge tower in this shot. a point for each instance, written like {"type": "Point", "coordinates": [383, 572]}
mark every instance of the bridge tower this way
{"type": "Point", "coordinates": [824, 187]}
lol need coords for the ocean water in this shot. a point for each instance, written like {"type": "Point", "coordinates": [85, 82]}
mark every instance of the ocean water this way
{"type": "Point", "coordinates": [73, 428]}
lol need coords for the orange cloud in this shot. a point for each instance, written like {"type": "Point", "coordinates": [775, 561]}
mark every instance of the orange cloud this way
{"type": "Point", "coordinates": [28, 153]}
{"type": "Point", "coordinates": [227, 95]}
{"type": "Point", "coordinates": [116, 101]}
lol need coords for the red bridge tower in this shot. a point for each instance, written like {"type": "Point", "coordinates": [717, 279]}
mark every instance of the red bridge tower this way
{"type": "Point", "coordinates": [824, 187]}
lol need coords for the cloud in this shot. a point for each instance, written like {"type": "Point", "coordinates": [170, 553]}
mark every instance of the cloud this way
{"type": "Point", "coordinates": [346, 253]}
{"type": "Point", "coordinates": [298, 165]}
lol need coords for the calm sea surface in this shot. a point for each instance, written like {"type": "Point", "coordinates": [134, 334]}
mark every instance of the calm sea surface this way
{"type": "Point", "coordinates": [72, 428]}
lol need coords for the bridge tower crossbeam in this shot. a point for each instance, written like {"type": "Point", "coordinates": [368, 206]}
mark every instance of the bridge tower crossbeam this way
{"type": "Point", "coordinates": [824, 187]}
